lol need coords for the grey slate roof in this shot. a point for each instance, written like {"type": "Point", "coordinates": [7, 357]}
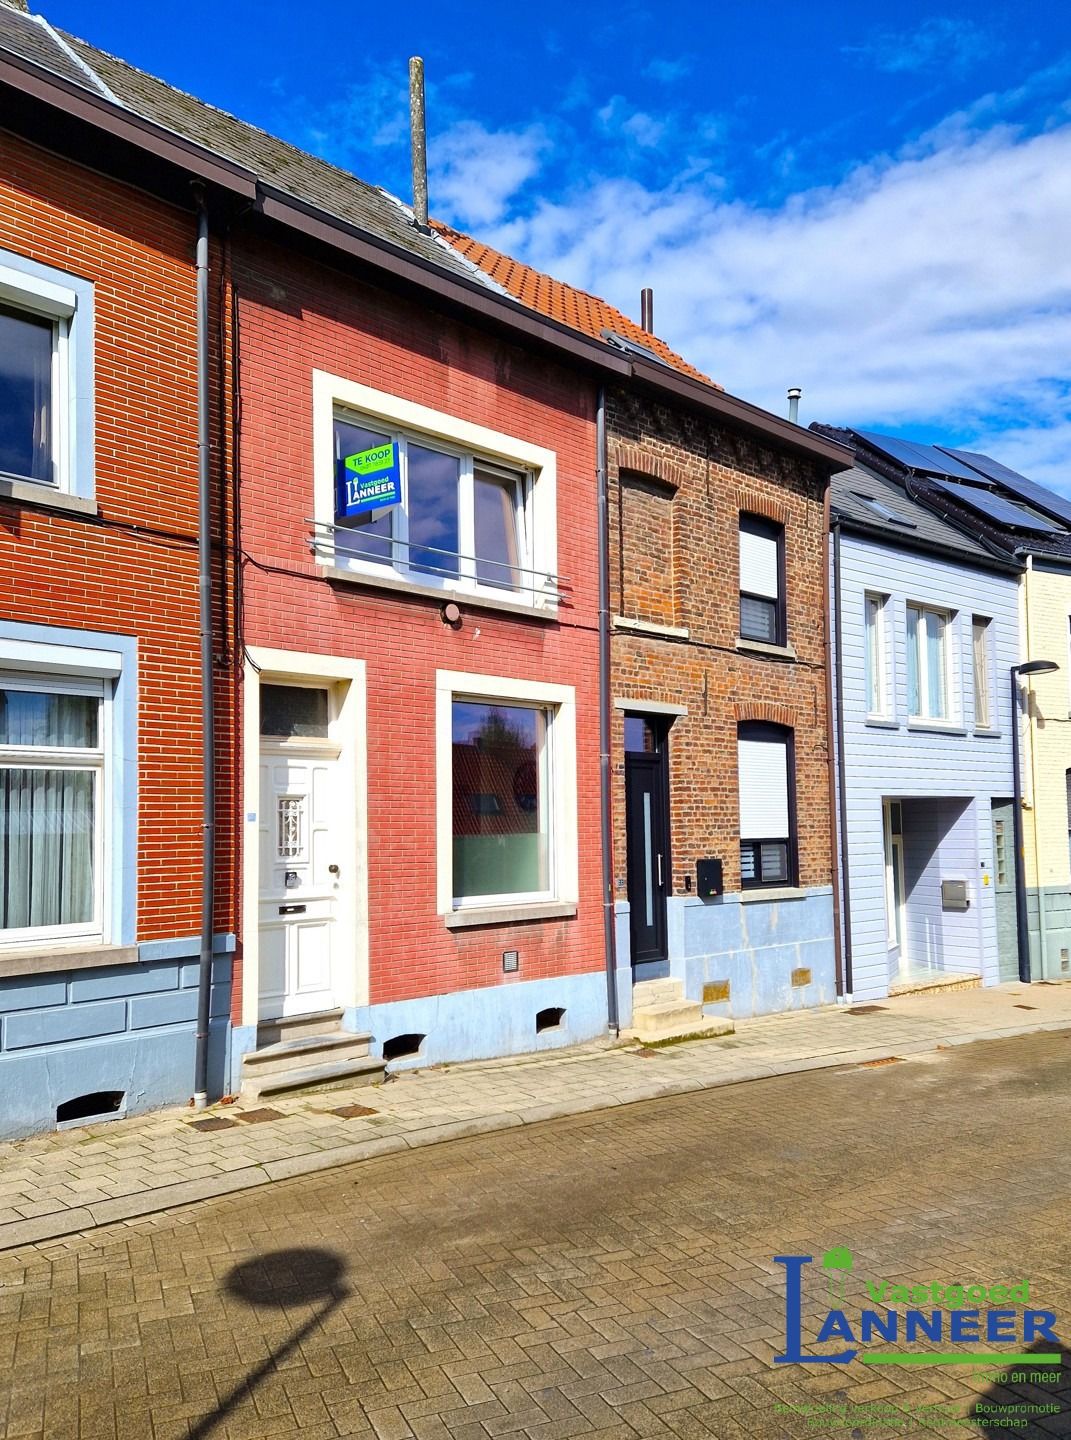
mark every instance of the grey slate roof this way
{"type": "Point", "coordinates": [288, 169]}
{"type": "Point", "coordinates": [926, 529]}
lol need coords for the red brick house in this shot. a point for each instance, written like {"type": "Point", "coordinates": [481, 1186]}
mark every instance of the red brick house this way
{"type": "Point", "coordinates": [719, 682]}
{"type": "Point", "coordinates": [101, 819]}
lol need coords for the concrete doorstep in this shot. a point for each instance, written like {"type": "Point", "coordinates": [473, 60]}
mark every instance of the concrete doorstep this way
{"type": "Point", "coordinates": [67, 1183]}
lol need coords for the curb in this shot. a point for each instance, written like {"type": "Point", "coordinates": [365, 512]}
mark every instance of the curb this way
{"type": "Point", "coordinates": [16, 1233]}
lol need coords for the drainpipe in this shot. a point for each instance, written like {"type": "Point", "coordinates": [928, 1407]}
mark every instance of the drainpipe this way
{"type": "Point", "coordinates": [605, 773]}
{"type": "Point", "coordinates": [208, 726]}
{"type": "Point", "coordinates": [838, 786]}
{"type": "Point", "coordinates": [1043, 915]}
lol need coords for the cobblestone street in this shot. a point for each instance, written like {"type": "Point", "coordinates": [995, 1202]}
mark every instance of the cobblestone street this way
{"type": "Point", "coordinates": [606, 1274]}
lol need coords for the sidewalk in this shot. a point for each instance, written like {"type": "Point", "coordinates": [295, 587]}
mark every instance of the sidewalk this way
{"type": "Point", "coordinates": [60, 1184]}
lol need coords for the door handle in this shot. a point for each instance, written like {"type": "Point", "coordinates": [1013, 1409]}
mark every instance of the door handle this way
{"type": "Point", "coordinates": [660, 869]}
{"type": "Point", "coordinates": [332, 869]}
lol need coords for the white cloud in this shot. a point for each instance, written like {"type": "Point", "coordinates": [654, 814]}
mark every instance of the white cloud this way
{"type": "Point", "coordinates": [475, 172]}
{"type": "Point", "coordinates": [933, 289]}
{"type": "Point", "coordinates": [939, 42]}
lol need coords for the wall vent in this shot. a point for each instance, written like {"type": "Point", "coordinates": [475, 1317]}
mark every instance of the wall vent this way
{"type": "Point", "coordinates": [552, 1018]}
{"type": "Point", "coordinates": [403, 1047]}
{"type": "Point", "coordinates": [88, 1109]}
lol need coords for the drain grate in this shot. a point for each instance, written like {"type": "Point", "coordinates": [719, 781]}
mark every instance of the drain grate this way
{"type": "Point", "coordinates": [258, 1117]}
{"type": "Point", "coordinates": [214, 1122]}
{"type": "Point", "coordinates": [885, 1060]}
{"type": "Point", "coordinates": [351, 1112]}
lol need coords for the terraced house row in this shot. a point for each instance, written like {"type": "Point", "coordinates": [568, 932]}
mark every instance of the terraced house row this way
{"type": "Point", "coordinates": [407, 658]}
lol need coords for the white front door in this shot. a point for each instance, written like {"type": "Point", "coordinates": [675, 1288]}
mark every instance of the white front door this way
{"type": "Point", "coordinates": [300, 852]}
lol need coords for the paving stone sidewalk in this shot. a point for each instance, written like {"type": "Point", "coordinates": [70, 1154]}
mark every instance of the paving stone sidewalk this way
{"type": "Point", "coordinates": [60, 1184]}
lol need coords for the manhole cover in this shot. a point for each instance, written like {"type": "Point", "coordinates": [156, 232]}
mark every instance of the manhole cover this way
{"type": "Point", "coordinates": [258, 1117]}
{"type": "Point", "coordinates": [213, 1122]}
{"type": "Point", "coordinates": [351, 1112]}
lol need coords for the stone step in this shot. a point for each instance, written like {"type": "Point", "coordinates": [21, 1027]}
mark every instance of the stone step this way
{"type": "Point", "coordinates": [656, 992]}
{"type": "Point", "coordinates": [677, 1014]}
{"type": "Point", "coordinates": [708, 1027]}
{"type": "Point", "coordinates": [336, 1074]}
{"type": "Point", "coordinates": [286, 1027]}
{"type": "Point", "coordinates": [305, 1049]}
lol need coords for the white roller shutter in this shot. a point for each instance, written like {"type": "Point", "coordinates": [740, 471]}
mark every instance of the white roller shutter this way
{"type": "Point", "coordinates": [758, 564]}
{"type": "Point", "coordinates": [763, 778]}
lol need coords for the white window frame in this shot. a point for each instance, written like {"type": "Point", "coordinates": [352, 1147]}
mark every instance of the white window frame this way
{"type": "Point", "coordinates": [989, 721]}
{"type": "Point", "coordinates": [44, 299]}
{"type": "Point", "coordinates": [562, 857]}
{"type": "Point", "coordinates": [879, 660]}
{"type": "Point", "coordinates": [48, 757]}
{"type": "Point", "coordinates": [925, 715]}
{"type": "Point", "coordinates": [478, 448]}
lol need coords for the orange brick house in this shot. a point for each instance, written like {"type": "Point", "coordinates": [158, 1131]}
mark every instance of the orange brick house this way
{"type": "Point", "coordinates": [722, 870]}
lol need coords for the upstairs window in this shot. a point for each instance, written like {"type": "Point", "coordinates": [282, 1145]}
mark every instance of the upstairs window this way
{"type": "Point", "coordinates": [875, 654]}
{"type": "Point", "coordinates": [30, 347]}
{"type": "Point", "coordinates": [927, 663]}
{"type": "Point", "coordinates": [983, 705]}
{"type": "Point", "coordinates": [445, 515]}
{"type": "Point", "coordinates": [762, 580]}
{"type": "Point", "coordinates": [766, 781]}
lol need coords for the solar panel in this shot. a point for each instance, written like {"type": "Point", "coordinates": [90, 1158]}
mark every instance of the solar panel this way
{"type": "Point", "coordinates": [1028, 490]}
{"type": "Point", "coordinates": [917, 456]}
{"type": "Point", "coordinates": [994, 507]}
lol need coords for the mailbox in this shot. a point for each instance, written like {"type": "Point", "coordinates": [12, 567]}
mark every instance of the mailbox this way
{"type": "Point", "coordinates": [954, 895]}
{"type": "Point", "coordinates": [708, 882]}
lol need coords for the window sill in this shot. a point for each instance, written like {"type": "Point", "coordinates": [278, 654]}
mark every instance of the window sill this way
{"type": "Point", "coordinates": [986, 732]}
{"type": "Point", "coordinates": [936, 727]}
{"type": "Point", "coordinates": [509, 914]}
{"type": "Point", "coordinates": [648, 627]}
{"type": "Point", "coordinates": [756, 893]}
{"type": "Point", "coordinates": [25, 492]}
{"type": "Point", "coordinates": [760, 647]}
{"type": "Point", "coordinates": [547, 610]}
{"type": "Point", "coordinates": [46, 959]}
{"type": "Point", "coordinates": [880, 722]}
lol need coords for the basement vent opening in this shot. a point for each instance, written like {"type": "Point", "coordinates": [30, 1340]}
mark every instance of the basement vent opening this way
{"type": "Point", "coordinates": [549, 1019]}
{"type": "Point", "coordinates": [402, 1047]}
{"type": "Point", "coordinates": [85, 1109]}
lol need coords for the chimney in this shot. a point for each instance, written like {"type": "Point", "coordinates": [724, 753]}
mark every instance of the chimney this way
{"type": "Point", "coordinates": [647, 311]}
{"type": "Point", "coordinates": [418, 138]}
{"type": "Point", "coordinates": [794, 404]}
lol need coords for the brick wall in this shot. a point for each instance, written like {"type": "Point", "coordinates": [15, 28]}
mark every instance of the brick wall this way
{"type": "Point", "coordinates": [713, 474]}
{"type": "Point", "coordinates": [296, 317]}
{"type": "Point", "coordinates": [133, 570]}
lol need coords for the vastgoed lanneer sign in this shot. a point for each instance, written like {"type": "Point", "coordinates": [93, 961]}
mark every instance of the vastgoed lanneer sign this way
{"type": "Point", "coordinates": [369, 480]}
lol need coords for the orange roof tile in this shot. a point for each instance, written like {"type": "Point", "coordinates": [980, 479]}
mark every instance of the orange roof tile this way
{"type": "Point", "coordinates": [576, 308]}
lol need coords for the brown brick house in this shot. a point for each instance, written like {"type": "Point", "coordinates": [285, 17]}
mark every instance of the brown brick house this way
{"type": "Point", "coordinates": [718, 686]}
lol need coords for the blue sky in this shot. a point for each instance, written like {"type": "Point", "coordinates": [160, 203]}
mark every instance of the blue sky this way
{"type": "Point", "coordinates": [871, 202]}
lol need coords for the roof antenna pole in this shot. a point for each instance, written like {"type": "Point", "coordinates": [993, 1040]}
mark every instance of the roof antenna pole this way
{"type": "Point", "coordinates": [794, 404]}
{"type": "Point", "coordinates": [418, 139]}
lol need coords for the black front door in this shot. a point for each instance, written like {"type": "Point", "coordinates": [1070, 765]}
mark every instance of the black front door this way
{"type": "Point", "coordinates": [647, 844]}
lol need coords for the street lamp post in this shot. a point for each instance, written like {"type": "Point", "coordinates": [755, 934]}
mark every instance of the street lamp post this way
{"type": "Point", "coordinates": [1031, 667]}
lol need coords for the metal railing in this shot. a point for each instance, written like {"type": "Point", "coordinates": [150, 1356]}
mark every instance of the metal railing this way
{"type": "Point", "coordinates": [324, 542]}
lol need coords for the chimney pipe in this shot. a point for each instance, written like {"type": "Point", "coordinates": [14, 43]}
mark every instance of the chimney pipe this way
{"type": "Point", "coordinates": [794, 404]}
{"type": "Point", "coordinates": [647, 311]}
{"type": "Point", "coordinates": [418, 136]}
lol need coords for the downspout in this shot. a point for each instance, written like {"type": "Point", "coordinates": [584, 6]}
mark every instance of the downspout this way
{"type": "Point", "coordinates": [1043, 918]}
{"type": "Point", "coordinates": [838, 785]}
{"type": "Point", "coordinates": [605, 773]}
{"type": "Point", "coordinates": [208, 725]}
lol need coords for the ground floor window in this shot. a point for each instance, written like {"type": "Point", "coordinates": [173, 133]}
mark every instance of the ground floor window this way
{"type": "Point", "coordinates": [52, 770]}
{"type": "Point", "coordinates": [502, 830]}
{"type": "Point", "coordinates": [767, 805]}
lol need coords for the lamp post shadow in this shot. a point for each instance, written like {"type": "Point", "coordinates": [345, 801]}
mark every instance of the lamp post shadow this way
{"type": "Point", "coordinates": [279, 1280]}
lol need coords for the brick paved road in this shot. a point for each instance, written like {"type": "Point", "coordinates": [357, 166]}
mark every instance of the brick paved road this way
{"type": "Point", "coordinates": [607, 1275]}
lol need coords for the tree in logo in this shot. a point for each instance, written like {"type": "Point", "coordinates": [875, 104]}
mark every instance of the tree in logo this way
{"type": "Point", "coordinates": [837, 1264]}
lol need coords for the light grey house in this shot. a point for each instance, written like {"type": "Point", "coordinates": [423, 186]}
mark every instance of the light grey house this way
{"type": "Point", "coordinates": [926, 628]}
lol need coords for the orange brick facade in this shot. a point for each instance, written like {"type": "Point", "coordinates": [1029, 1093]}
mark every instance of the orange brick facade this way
{"type": "Point", "coordinates": [131, 569]}
{"type": "Point", "coordinates": [295, 317]}
{"type": "Point", "coordinates": [677, 487]}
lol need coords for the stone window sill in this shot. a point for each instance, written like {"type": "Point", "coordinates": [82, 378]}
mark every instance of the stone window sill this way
{"type": "Point", "coordinates": [759, 647]}
{"type": "Point", "coordinates": [985, 732]}
{"type": "Point", "coordinates": [465, 599]}
{"type": "Point", "coordinates": [47, 959]}
{"type": "Point", "coordinates": [784, 892]}
{"type": "Point", "coordinates": [648, 627]}
{"type": "Point", "coordinates": [881, 722]}
{"type": "Point", "coordinates": [509, 914]}
{"type": "Point", "coordinates": [935, 727]}
{"type": "Point", "coordinates": [25, 492]}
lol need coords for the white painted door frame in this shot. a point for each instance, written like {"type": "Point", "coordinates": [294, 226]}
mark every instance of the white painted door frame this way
{"type": "Point", "coordinates": [347, 728]}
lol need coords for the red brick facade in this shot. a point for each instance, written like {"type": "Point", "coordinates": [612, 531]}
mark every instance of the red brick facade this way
{"type": "Point", "coordinates": [295, 317]}
{"type": "Point", "coordinates": [677, 486]}
{"type": "Point", "coordinates": [132, 568]}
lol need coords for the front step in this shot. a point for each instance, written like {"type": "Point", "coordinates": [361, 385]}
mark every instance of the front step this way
{"type": "Point", "coordinates": [661, 1012]}
{"type": "Point", "coordinates": [289, 1027]}
{"type": "Point", "coordinates": [936, 985]}
{"type": "Point", "coordinates": [309, 1062]}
